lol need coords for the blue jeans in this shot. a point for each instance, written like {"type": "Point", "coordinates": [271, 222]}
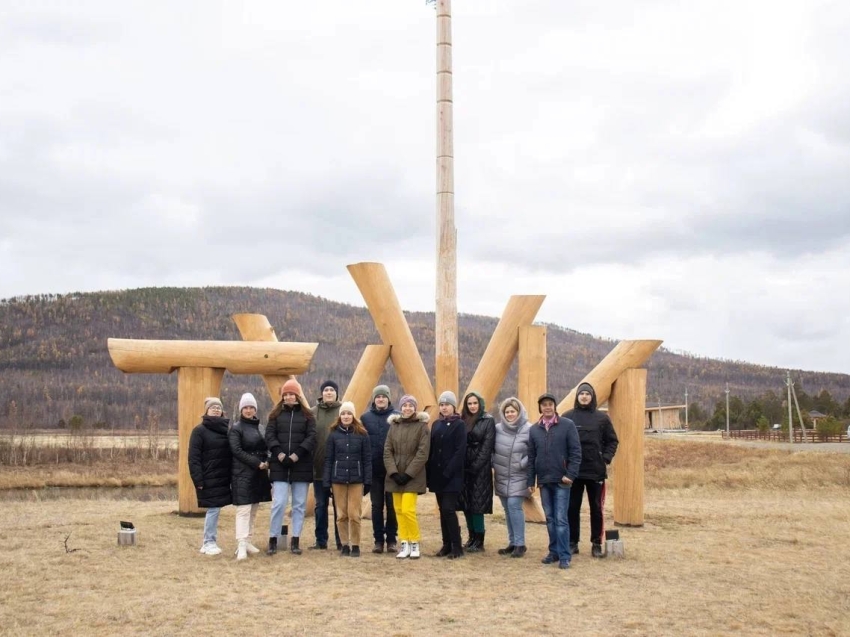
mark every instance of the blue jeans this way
{"type": "Point", "coordinates": [321, 513]}
{"type": "Point", "coordinates": [280, 494]}
{"type": "Point", "coordinates": [211, 525]}
{"type": "Point", "coordinates": [515, 519]}
{"type": "Point", "coordinates": [555, 499]}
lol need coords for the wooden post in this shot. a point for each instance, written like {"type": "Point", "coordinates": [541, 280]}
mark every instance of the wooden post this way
{"type": "Point", "coordinates": [380, 297]}
{"type": "Point", "coordinates": [366, 376]}
{"type": "Point", "coordinates": [446, 312]}
{"type": "Point", "coordinates": [531, 371]}
{"type": "Point", "coordinates": [256, 327]}
{"type": "Point", "coordinates": [625, 355]}
{"type": "Point", "coordinates": [626, 408]}
{"type": "Point", "coordinates": [502, 348]}
{"type": "Point", "coordinates": [194, 384]}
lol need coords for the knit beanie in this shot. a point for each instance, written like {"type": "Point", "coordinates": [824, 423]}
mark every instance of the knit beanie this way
{"type": "Point", "coordinates": [449, 398]}
{"type": "Point", "coordinates": [584, 387]}
{"type": "Point", "coordinates": [291, 387]}
{"type": "Point", "coordinates": [209, 402]}
{"type": "Point", "coordinates": [349, 407]}
{"type": "Point", "coordinates": [407, 398]}
{"type": "Point", "coordinates": [380, 390]}
{"type": "Point", "coordinates": [247, 400]}
{"type": "Point", "coordinates": [332, 385]}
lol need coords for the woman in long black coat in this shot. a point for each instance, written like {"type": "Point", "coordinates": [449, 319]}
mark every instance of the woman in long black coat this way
{"type": "Point", "coordinates": [444, 472]}
{"type": "Point", "coordinates": [477, 498]}
{"type": "Point", "coordinates": [210, 466]}
{"type": "Point", "coordinates": [250, 482]}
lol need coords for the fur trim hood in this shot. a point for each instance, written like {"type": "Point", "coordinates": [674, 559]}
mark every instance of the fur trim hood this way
{"type": "Point", "coordinates": [396, 419]}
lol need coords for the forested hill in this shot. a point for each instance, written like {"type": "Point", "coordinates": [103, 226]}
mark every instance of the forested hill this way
{"type": "Point", "coordinates": [54, 363]}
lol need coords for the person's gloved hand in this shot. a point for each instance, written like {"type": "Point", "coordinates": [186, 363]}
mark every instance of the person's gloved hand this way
{"type": "Point", "coordinates": [397, 479]}
{"type": "Point", "coordinates": [366, 489]}
{"type": "Point", "coordinates": [286, 462]}
{"type": "Point", "coordinates": [405, 479]}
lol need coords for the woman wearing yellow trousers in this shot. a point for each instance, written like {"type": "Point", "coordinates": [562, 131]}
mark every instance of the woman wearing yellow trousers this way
{"type": "Point", "coordinates": [405, 456]}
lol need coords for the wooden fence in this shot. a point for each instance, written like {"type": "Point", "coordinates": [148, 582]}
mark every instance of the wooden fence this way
{"type": "Point", "coordinates": [782, 436]}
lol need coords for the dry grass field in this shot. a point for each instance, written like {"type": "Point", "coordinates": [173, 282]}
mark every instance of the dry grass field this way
{"type": "Point", "coordinates": [736, 540]}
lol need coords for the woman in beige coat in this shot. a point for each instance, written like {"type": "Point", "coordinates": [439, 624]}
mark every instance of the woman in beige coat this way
{"type": "Point", "coordinates": [405, 456]}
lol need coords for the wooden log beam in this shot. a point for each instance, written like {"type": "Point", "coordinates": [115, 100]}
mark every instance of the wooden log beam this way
{"type": "Point", "coordinates": [194, 385]}
{"type": "Point", "coordinates": [256, 327]}
{"type": "Point", "coordinates": [502, 348]}
{"type": "Point", "coordinates": [531, 368]}
{"type": "Point", "coordinates": [366, 376]}
{"type": "Point", "coordinates": [626, 409]}
{"type": "Point", "coordinates": [625, 355]}
{"type": "Point", "coordinates": [163, 357]}
{"type": "Point", "coordinates": [383, 305]}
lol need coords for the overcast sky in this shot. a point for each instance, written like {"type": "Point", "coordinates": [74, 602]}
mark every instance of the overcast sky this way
{"type": "Point", "coordinates": [658, 169]}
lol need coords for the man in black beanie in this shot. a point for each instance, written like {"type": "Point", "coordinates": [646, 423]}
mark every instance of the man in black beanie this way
{"type": "Point", "coordinates": [375, 421]}
{"type": "Point", "coordinates": [326, 412]}
{"type": "Point", "coordinates": [598, 445]}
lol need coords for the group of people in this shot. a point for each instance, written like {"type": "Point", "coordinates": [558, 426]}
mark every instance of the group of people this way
{"type": "Point", "coordinates": [464, 457]}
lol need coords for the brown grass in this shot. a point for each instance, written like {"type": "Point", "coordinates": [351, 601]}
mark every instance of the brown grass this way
{"type": "Point", "coordinates": [729, 554]}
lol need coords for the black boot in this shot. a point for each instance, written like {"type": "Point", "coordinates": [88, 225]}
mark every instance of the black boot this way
{"type": "Point", "coordinates": [456, 552]}
{"type": "Point", "coordinates": [444, 551]}
{"type": "Point", "coordinates": [596, 550]}
{"type": "Point", "coordinates": [573, 548]}
{"type": "Point", "coordinates": [473, 538]}
{"type": "Point", "coordinates": [293, 546]}
{"type": "Point", "coordinates": [519, 551]}
{"type": "Point", "coordinates": [272, 546]}
{"type": "Point", "coordinates": [507, 550]}
{"type": "Point", "coordinates": [355, 550]}
{"type": "Point", "coordinates": [478, 545]}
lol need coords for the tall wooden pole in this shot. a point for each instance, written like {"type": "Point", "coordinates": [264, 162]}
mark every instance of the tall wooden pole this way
{"type": "Point", "coordinates": [626, 407]}
{"type": "Point", "coordinates": [446, 314]}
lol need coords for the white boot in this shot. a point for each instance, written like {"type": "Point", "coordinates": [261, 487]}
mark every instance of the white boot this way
{"type": "Point", "coordinates": [414, 550]}
{"type": "Point", "coordinates": [242, 551]}
{"type": "Point", "coordinates": [405, 550]}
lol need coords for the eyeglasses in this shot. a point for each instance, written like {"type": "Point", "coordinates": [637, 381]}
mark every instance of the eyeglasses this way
{"type": "Point", "coordinates": [215, 407]}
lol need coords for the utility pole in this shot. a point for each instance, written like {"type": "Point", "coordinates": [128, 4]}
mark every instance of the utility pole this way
{"type": "Point", "coordinates": [727, 410]}
{"type": "Point", "coordinates": [790, 422]}
{"type": "Point", "coordinates": [686, 410]}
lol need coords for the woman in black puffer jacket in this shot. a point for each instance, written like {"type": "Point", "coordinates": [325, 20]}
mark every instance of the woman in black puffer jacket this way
{"type": "Point", "coordinates": [348, 471]}
{"type": "Point", "coordinates": [291, 439]}
{"type": "Point", "coordinates": [209, 465]}
{"type": "Point", "coordinates": [250, 480]}
{"type": "Point", "coordinates": [477, 497]}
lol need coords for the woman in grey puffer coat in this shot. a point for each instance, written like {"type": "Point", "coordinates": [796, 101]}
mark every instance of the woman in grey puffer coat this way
{"type": "Point", "coordinates": [510, 462]}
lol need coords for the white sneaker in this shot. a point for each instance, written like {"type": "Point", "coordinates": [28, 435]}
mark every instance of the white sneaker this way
{"type": "Point", "coordinates": [210, 549]}
{"type": "Point", "coordinates": [242, 551]}
{"type": "Point", "coordinates": [251, 548]}
{"type": "Point", "coordinates": [405, 550]}
{"type": "Point", "coordinates": [414, 550]}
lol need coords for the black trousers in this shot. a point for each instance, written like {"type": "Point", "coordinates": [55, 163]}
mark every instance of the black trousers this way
{"type": "Point", "coordinates": [596, 500]}
{"type": "Point", "coordinates": [448, 519]}
{"type": "Point", "coordinates": [381, 499]}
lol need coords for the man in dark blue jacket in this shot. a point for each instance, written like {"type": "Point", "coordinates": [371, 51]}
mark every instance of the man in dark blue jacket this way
{"type": "Point", "coordinates": [554, 458]}
{"type": "Point", "coordinates": [598, 445]}
{"type": "Point", "coordinates": [375, 421]}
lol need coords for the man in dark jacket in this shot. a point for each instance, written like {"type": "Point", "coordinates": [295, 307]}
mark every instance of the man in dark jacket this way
{"type": "Point", "coordinates": [554, 457]}
{"type": "Point", "coordinates": [326, 412]}
{"type": "Point", "coordinates": [375, 421]}
{"type": "Point", "coordinates": [598, 446]}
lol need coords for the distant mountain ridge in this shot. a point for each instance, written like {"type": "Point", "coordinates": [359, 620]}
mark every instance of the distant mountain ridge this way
{"type": "Point", "coordinates": [54, 363]}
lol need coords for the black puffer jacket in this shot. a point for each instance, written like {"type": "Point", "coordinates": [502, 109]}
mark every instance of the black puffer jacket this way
{"type": "Point", "coordinates": [377, 425]}
{"type": "Point", "coordinates": [291, 431]}
{"type": "Point", "coordinates": [599, 441]}
{"type": "Point", "coordinates": [210, 462]}
{"type": "Point", "coordinates": [348, 458]}
{"type": "Point", "coordinates": [248, 485]}
{"type": "Point", "coordinates": [477, 495]}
